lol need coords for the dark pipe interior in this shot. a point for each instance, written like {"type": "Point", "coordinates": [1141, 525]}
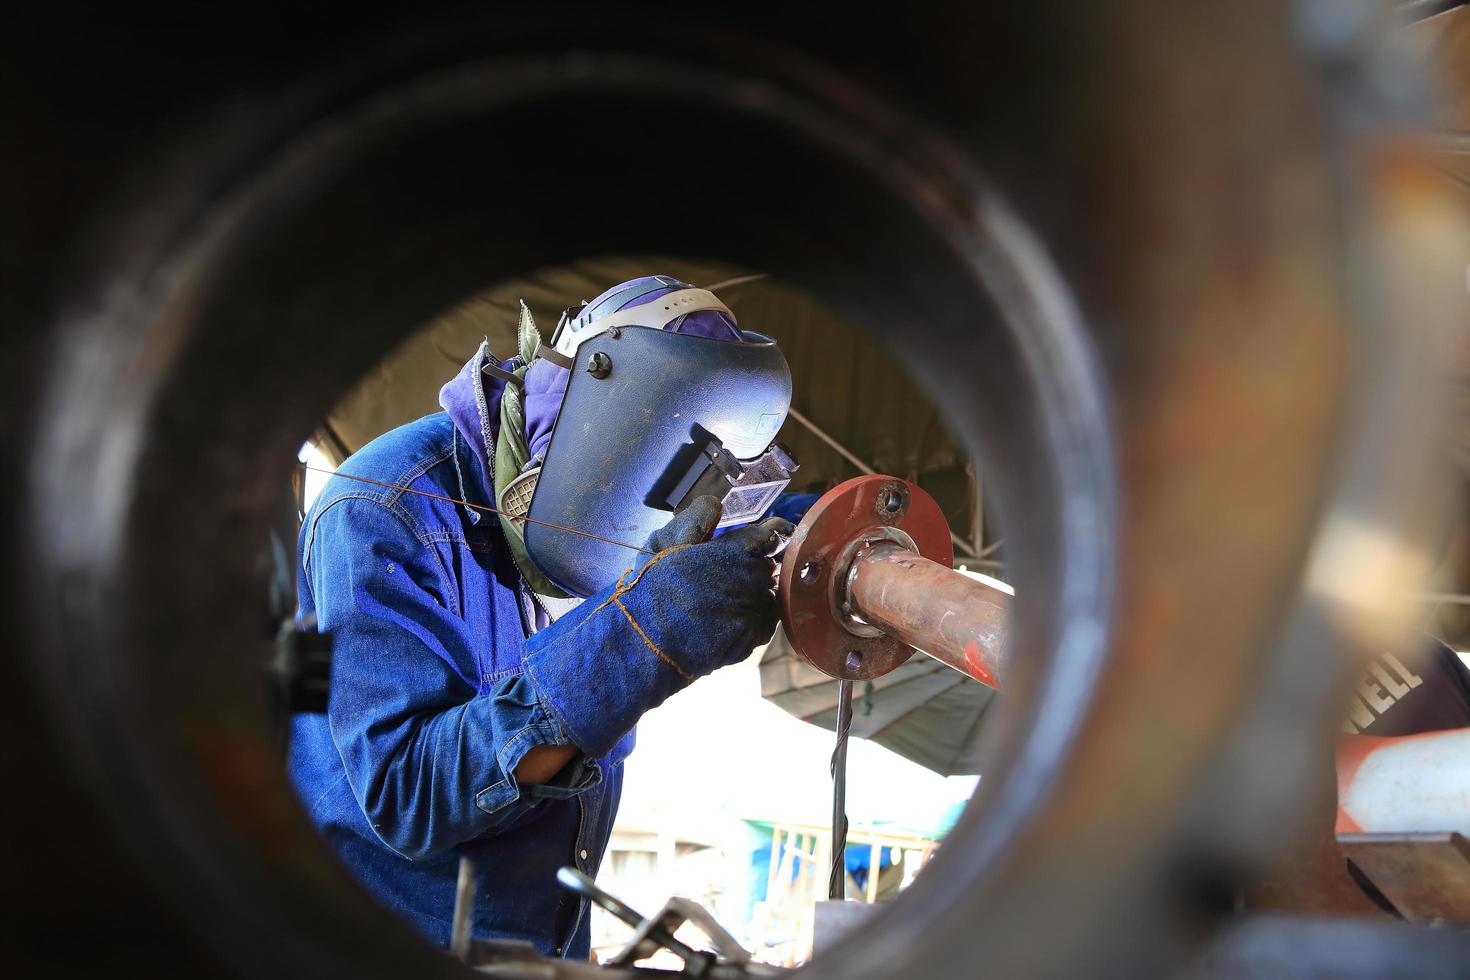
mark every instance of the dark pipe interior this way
{"type": "Point", "coordinates": [303, 273]}
{"type": "Point", "coordinates": [281, 276]}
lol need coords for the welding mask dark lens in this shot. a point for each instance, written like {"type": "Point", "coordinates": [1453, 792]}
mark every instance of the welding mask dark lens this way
{"type": "Point", "coordinates": [746, 488]}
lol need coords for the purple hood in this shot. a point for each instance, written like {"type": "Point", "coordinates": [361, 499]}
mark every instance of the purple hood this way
{"type": "Point", "coordinates": [472, 398]}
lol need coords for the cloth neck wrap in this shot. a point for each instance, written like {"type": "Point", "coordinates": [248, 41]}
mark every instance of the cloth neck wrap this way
{"type": "Point", "coordinates": [512, 454]}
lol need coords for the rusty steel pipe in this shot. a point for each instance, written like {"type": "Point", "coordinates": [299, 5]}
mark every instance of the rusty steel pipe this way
{"type": "Point", "coordinates": [936, 610]}
{"type": "Point", "coordinates": [868, 579]}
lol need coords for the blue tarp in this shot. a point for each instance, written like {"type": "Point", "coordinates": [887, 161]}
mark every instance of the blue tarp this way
{"type": "Point", "coordinates": [858, 859]}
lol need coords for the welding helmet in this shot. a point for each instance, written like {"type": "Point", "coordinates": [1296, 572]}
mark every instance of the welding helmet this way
{"type": "Point", "coordinates": [666, 400]}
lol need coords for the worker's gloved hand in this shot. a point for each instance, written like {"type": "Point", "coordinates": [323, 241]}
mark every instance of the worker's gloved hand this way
{"type": "Point", "coordinates": [696, 606]}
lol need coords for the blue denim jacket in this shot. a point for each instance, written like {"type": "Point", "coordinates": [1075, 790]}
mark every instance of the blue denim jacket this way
{"type": "Point", "coordinates": [412, 766]}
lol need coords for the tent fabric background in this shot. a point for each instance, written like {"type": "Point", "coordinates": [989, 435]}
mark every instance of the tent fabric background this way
{"type": "Point", "coordinates": [842, 380]}
{"type": "Point", "coordinates": [924, 711]}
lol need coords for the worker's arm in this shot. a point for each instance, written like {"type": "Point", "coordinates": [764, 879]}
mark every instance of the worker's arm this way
{"type": "Point", "coordinates": [432, 759]}
{"type": "Point", "coordinates": [1408, 783]}
{"type": "Point", "coordinates": [542, 762]}
{"type": "Point", "coordinates": [689, 610]}
{"type": "Point", "coordinates": [693, 525]}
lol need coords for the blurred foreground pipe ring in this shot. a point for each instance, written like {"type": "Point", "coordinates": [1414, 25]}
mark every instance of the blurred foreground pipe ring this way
{"type": "Point", "coordinates": [1162, 468]}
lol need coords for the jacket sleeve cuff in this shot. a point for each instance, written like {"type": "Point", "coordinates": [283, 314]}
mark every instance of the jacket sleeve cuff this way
{"type": "Point", "coordinates": [577, 776]}
{"type": "Point", "coordinates": [591, 689]}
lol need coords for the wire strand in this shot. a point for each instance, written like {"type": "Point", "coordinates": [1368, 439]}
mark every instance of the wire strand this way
{"type": "Point", "coordinates": [837, 879]}
{"type": "Point", "coordinates": [483, 507]}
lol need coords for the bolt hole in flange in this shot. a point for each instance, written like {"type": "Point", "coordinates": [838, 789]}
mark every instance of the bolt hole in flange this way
{"type": "Point", "coordinates": [266, 300]}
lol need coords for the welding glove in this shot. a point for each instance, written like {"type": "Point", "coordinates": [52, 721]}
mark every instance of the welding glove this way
{"type": "Point", "coordinates": [692, 525]}
{"type": "Point", "coordinates": [695, 606]}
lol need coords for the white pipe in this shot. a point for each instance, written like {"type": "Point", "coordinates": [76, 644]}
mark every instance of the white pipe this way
{"type": "Point", "coordinates": [1405, 784]}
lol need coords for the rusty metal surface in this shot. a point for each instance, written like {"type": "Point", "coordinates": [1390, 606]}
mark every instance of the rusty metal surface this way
{"type": "Point", "coordinates": [1426, 876]}
{"type": "Point", "coordinates": [867, 579]}
{"type": "Point", "coordinates": [1311, 876]}
{"type": "Point", "coordinates": [817, 560]}
{"type": "Point", "coordinates": [933, 608]}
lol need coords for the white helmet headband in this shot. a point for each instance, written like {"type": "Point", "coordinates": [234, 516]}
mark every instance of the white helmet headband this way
{"type": "Point", "coordinates": [656, 314]}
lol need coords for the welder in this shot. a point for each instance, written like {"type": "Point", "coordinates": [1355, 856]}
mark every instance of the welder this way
{"type": "Point", "coordinates": [592, 548]}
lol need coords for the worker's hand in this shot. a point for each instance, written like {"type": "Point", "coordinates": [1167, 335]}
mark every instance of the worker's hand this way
{"type": "Point", "coordinates": [722, 592]}
{"type": "Point", "coordinates": [689, 610]}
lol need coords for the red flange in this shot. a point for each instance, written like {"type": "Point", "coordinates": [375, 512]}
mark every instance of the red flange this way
{"type": "Point", "coordinates": [864, 510]}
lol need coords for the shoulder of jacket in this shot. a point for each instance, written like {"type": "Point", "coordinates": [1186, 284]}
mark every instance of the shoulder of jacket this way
{"type": "Point", "coordinates": [398, 459]}
{"type": "Point", "coordinates": [400, 456]}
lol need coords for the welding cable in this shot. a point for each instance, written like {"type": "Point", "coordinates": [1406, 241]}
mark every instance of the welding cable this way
{"type": "Point", "coordinates": [481, 507]}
